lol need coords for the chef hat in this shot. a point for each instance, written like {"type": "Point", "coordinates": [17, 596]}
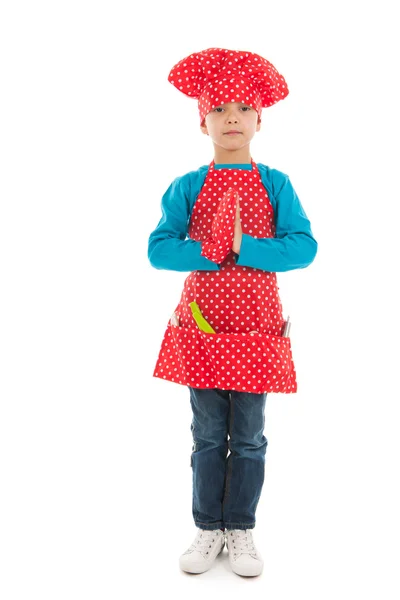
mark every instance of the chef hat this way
{"type": "Point", "coordinates": [217, 76]}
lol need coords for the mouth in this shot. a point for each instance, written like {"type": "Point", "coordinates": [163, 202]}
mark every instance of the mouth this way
{"type": "Point", "coordinates": [232, 133]}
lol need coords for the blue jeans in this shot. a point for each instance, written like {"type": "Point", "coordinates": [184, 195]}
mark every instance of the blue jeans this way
{"type": "Point", "coordinates": [226, 489]}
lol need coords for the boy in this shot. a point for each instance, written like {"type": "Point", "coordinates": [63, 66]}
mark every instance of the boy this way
{"type": "Point", "coordinates": [233, 224]}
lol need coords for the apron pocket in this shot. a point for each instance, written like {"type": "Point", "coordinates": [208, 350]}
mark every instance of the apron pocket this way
{"type": "Point", "coordinates": [255, 363]}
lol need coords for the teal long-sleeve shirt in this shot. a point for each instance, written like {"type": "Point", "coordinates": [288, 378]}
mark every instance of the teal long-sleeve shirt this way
{"type": "Point", "coordinates": [293, 246]}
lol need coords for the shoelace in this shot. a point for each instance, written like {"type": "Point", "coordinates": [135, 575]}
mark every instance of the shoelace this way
{"type": "Point", "coordinates": [204, 541]}
{"type": "Point", "coordinates": [242, 542]}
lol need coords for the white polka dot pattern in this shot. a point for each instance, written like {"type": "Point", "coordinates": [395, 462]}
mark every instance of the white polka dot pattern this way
{"type": "Point", "coordinates": [247, 353]}
{"type": "Point", "coordinates": [217, 247]}
{"type": "Point", "coordinates": [217, 76]}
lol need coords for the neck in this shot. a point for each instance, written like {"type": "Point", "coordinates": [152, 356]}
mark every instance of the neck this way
{"type": "Point", "coordinates": [240, 156]}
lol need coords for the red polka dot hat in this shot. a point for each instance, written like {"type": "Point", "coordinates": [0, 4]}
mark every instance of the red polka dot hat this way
{"type": "Point", "coordinates": [217, 76]}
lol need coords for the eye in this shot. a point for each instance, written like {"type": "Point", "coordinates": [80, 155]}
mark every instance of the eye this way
{"type": "Point", "coordinates": [245, 108]}
{"type": "Point", "coordinates": [219, 108]}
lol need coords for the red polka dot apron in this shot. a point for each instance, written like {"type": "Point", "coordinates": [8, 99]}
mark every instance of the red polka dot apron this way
{"type": "Point", "coordinates": [247, 352]}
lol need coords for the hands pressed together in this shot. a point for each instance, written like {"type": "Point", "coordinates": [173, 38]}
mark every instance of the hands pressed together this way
{"type": "Point", "coordinates": [237, 237]}
{"type": "Point", "coordinates": [226, 229]}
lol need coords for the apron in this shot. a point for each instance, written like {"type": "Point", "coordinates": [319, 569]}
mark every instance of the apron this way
{"type": "Point", "coordinates": [247, 352]}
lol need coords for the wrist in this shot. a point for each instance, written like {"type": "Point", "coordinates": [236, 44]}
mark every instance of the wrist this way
{"type": "Point", "coordinates": [236, 244]}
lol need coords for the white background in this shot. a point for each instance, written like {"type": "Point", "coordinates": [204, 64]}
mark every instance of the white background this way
{"type": "Point", "coordinates": [94, 452]}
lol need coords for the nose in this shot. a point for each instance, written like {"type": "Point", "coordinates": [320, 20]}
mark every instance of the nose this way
{"type": "Point", "coordinates": [231, 116]}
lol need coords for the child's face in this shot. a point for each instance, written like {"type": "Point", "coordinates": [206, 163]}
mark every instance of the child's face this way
{"type": "Point", "coordinates": [231, 116]}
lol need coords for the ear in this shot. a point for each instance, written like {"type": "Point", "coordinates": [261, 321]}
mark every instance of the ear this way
{"type": "Point", "coordinates": [258, 127]}
{"type": "Point", "coordinates": [203, 127]}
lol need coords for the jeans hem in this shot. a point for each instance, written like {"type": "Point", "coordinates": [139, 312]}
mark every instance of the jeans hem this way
{"type": "Point", "coordinates": [240, 525]}
{"type": "Point", "coordinates": [210, 526]}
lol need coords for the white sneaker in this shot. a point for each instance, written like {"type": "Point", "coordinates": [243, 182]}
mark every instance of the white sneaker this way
{"type": "Point", "coordinates": [204, 550]}
{"type": "Point", "coordinates": [243, 555]}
